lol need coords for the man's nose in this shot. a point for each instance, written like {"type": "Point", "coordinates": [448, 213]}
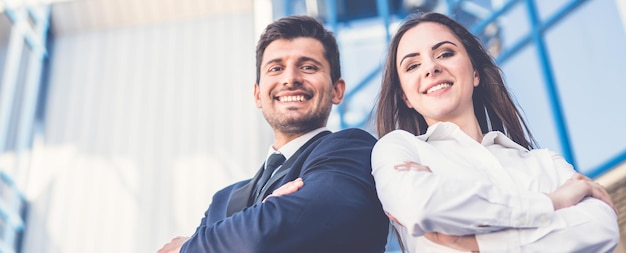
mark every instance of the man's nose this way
{"type": "Point", "coordinates": [292, 77]}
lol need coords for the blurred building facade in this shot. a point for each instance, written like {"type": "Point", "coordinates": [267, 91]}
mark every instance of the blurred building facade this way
{"type": "Point", "coordinates": [120, 119]}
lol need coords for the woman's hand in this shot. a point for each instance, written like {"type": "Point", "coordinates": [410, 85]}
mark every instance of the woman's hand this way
{"type": "Point", "coordinates": [287, 188]}
{"type": "Point", "coordinates": [575, 189]}
{"type": "Point", "coordinates": [462, 243]}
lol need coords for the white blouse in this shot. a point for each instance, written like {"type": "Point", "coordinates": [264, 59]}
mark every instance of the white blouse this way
{"type": "Point", "coordinates": [494, 189]}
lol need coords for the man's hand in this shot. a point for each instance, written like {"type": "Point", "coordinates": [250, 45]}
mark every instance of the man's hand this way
{"type": "Point", "coordinates": [409, 165]}
{"type": "Point", "coordinates": [392, 218]}
{"type": "Point", "coordinates": [576, 189]}
{"type": "Point", "coordinates": [174, 245]}
{"type": "Point", "coordinates": [462, 243]}
{"type": "Point", "coordinates": [406, 166]}
{"type": "Point", "coordinates": [287, 188]}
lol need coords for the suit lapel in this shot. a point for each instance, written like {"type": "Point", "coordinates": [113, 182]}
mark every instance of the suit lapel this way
{"type": "Point", "coordinates": [278, 175]}
{"type": "Point", "coordinates": [282, 171]}
{"type": "Point", "coordinates": [240, 197]}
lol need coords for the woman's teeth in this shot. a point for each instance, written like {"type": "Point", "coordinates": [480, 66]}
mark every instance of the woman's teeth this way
{"type": "Point", "coordinates": [438, 87]}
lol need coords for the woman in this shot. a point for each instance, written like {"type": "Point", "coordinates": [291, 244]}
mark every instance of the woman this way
{"type": "Point", "coordinates": [456, 167]}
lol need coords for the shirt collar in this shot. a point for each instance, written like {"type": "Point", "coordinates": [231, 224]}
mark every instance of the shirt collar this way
{"type": "Point", "coordinates": [291, 147]}
{"type": "Point", "coordinates": [449, 130]}
{"type": "Point", "coordinates": [497, 137]}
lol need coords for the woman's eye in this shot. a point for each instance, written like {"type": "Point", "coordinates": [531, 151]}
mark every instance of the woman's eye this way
{"type": "Point", "coordinates": [412, 66]}
{"type": "Point", "coordinates": [446, 54]}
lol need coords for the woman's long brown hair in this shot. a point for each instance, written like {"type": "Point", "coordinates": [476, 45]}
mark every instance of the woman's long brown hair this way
{"type": "Point", "coordinates": [493, 106]}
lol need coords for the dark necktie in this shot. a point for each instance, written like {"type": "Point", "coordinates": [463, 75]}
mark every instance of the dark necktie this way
{"type": "Point", "coordinates": [273, 162]}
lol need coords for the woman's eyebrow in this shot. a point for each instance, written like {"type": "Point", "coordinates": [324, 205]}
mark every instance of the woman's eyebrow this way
{"type": "Point", "coordinates": [408, 56]}
{"type": "Point", "coordinates": [438, 45]}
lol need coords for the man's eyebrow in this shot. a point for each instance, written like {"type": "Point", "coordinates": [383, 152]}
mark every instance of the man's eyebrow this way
{"type": "Point", "coordinates": [305, 59]}
{"type": "Point", "coordinates": [300, 60]}
{"type": "Point", "coordinates": [438, 45]}
{"type": "Point", "coordinates": [275, 60]}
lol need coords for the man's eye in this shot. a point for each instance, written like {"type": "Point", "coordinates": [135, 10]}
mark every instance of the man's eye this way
{"type": "Point", "coordinates": [309, 68]}
{"type": "Point", "coordinates": [275, 69]}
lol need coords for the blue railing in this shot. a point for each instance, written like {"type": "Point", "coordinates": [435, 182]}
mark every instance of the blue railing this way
{"type": "Point", "coordinates": [12, 215]}
{"type": "Point", "coordinates": [19, 85]}
{"type": "Point", "coordinates": [535, 36]}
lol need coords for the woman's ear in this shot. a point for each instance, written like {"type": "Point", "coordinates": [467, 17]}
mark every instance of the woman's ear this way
{"type": "Point", "coordinates": [406, 100]}
{"type": "Point", "coordinates": [476, 78]}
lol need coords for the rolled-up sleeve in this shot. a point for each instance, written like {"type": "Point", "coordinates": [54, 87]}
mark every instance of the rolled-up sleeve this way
{"type": "Point", "coordinates": [438, 202]}
{"type": "Point", "coordinates": [589, 226]}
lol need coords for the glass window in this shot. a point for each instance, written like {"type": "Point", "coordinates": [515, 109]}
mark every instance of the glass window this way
{"type": "Point", "coordinates": [548, 9]}
{"type": "Point", "coordinates": [588, 65]}
{"type": "Point", "coordinates": [503, 32]}
{"type": "Point", "coordinates": [7, 194]}
{"type": "Point", "coordinates": [472, 15]}
{"type": "Point", "coordinates": [5, 32]}
{"type": "Point", "coordinates": [3, 227]}
{"type": "Point", "coordinates": [18, 96]}
{"type": "Point", "coordinates": [32, 21]}
{"type": "Point", "coordinates": [513, 26]}
{"type": "Point", "coordinates": [362, 48]}
{"type": "Point", "coordinates": [524, 78]}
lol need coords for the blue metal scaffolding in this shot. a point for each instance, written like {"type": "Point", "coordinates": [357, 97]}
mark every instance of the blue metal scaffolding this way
{"type": "Point", "coordinates": [20, 84]}
{"type": "Point", "coordinates": [385, 13]}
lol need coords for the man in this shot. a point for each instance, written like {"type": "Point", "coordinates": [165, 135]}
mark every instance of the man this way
{"type": "Point", "coordinates": [332, 206]}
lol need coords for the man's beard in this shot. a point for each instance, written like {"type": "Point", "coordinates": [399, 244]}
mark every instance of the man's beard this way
{"type": "Point", "coordinates": [300, 125]}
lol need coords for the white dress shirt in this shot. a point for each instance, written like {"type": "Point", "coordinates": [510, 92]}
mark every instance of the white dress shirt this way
{"type": "Point", "coordinates": [292, 146]}
{"type": "Point", "coordinates": [494, 189]}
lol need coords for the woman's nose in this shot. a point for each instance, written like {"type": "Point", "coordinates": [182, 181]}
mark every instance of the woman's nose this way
{"type": "Point", "coordinates": [432, 68]}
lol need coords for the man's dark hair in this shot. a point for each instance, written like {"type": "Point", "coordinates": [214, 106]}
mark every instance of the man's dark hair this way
{"type": "Point", "coordinates": [293, 27]}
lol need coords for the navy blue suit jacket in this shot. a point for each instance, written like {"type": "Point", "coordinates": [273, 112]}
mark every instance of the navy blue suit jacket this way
{"type": "Point", "coordinates": [337, 209]}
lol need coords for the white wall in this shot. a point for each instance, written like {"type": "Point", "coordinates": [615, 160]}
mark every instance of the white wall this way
{"type": "Point", "coordinates": [143, 125]}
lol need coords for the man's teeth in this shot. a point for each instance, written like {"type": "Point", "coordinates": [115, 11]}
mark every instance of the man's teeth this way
{"type": "Point", "coordinates": [291, 98]}
{"type": "Point", "coordinates": [438, 87]}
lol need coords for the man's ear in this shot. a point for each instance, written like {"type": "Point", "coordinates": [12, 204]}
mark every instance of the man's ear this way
{"type": "Point", "coordinates": [257, 96]}
{"type": "Point", "coordinates": [339, 90]}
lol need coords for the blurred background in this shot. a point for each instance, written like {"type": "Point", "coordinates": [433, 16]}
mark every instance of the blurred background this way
{"type": "Point", "coordinates": [119, 119]}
